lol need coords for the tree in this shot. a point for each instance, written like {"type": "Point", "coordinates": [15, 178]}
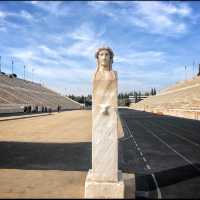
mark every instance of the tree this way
{"type": "Point", "coordinates": [139, 95]}
{"type": "Point", "coordinates": [136, 96]}
{"type": "Point", "coordinates": [131, 93]}
{"type": "Point", "coordinates": [154, 91]}
{"type": "Point", "coordinates": [151, 91]}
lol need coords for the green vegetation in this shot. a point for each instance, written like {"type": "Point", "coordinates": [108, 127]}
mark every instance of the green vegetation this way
{"type": "Point", "coordinates": [123, 97]}
{"type": "Point", "coordinates": [87, 100]}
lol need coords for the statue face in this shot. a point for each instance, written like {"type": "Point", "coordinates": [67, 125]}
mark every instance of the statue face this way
{"type": "Point", "coordinates": [104, 60]}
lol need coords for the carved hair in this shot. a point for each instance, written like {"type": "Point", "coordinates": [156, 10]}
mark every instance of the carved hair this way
{"type": "Point", "coordinates": [105, 48]}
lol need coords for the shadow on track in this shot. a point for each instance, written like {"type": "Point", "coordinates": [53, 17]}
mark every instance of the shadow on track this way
{"type": "Point", "coordinates": [76, 157]}
{"type": "Point", "coordinates": [45, 156]}
{"type": "Point", "coordinates": [168, 177]}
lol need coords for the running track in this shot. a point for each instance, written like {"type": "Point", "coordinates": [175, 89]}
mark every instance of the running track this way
{"type": "Point", "coordinates": [163, 152]}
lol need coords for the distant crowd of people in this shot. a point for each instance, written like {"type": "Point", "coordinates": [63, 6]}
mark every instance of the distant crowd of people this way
{"type": "Point", "coordinates": [36, 109]}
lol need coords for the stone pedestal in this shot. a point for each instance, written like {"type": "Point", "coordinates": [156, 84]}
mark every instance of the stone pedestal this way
{"type": "Point", "coordinates": [104, 180]}
{"type": "Point", "coordinates": [104, 189]}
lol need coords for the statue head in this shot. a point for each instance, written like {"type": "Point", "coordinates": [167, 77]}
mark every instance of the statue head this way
{"type": "Point", "coordinates": [104, 56]}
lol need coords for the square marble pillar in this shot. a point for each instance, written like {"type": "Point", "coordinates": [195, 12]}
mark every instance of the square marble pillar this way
{"type": "Point", "coordinates": [104, 180]}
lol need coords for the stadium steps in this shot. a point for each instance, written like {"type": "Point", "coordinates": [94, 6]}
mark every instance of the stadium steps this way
{"type": "Point", "coordinates": [18, 92]}
{"type": "Point", "coordinates": [185, 95]}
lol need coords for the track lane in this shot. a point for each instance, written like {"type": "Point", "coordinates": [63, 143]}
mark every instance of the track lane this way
{"type": "Point", "coordinates": [191, 151]}
{"type": "Point", "coordinates": [176, 177]}
{"type": "Point", "coordinates": [186, 131]}
{"type": "Point", "coordinates": [146, 164]}
{"type": "Point", "coordinates": [162, 138]}
{"type": "Point", "coordinates": [182, 123]}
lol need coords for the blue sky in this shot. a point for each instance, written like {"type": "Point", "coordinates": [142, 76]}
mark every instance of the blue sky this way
{"type": "Point", "coordinates": [152, 42]}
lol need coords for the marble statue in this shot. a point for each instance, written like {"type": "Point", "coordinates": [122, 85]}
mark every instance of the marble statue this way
{"type": "Point", "coordinates": [104, 180]}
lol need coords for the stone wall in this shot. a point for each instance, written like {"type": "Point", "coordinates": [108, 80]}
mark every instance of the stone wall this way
{"type": "Point", "coordinates": [184, 113]}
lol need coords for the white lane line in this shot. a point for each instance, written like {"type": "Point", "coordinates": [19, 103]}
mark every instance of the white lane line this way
{"type": "Point", "coordinates": [144, 159]}
{"type": "Point", "coordinates": [179, 136]}
{"type": "Point", "coordinates": [124, 124]}
{"type": "Point", "coordinates": [129, 135]}
{"type": "Point", "coordinates": [141, 153]}
{"type": "Point", "coordinates": [157, 187]}
{"type": "Point", "coordinates": [127, 128]}
{"type": "Point", "coordinates": [126, 138]}
{"type": "Point", "coordinates": [154, 178]}
{"type": "Point", "coordinates": [179, 154]}
{"type": "Point", "coordinates": [148, 167]}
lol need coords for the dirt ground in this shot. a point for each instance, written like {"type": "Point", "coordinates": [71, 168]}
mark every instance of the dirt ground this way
{"type": "Point", "coordinates": [70, 126]}
{"type": "Point", "coordinates": [46, 156]}
{"type": "Point", "coordinates": [41, 183]}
